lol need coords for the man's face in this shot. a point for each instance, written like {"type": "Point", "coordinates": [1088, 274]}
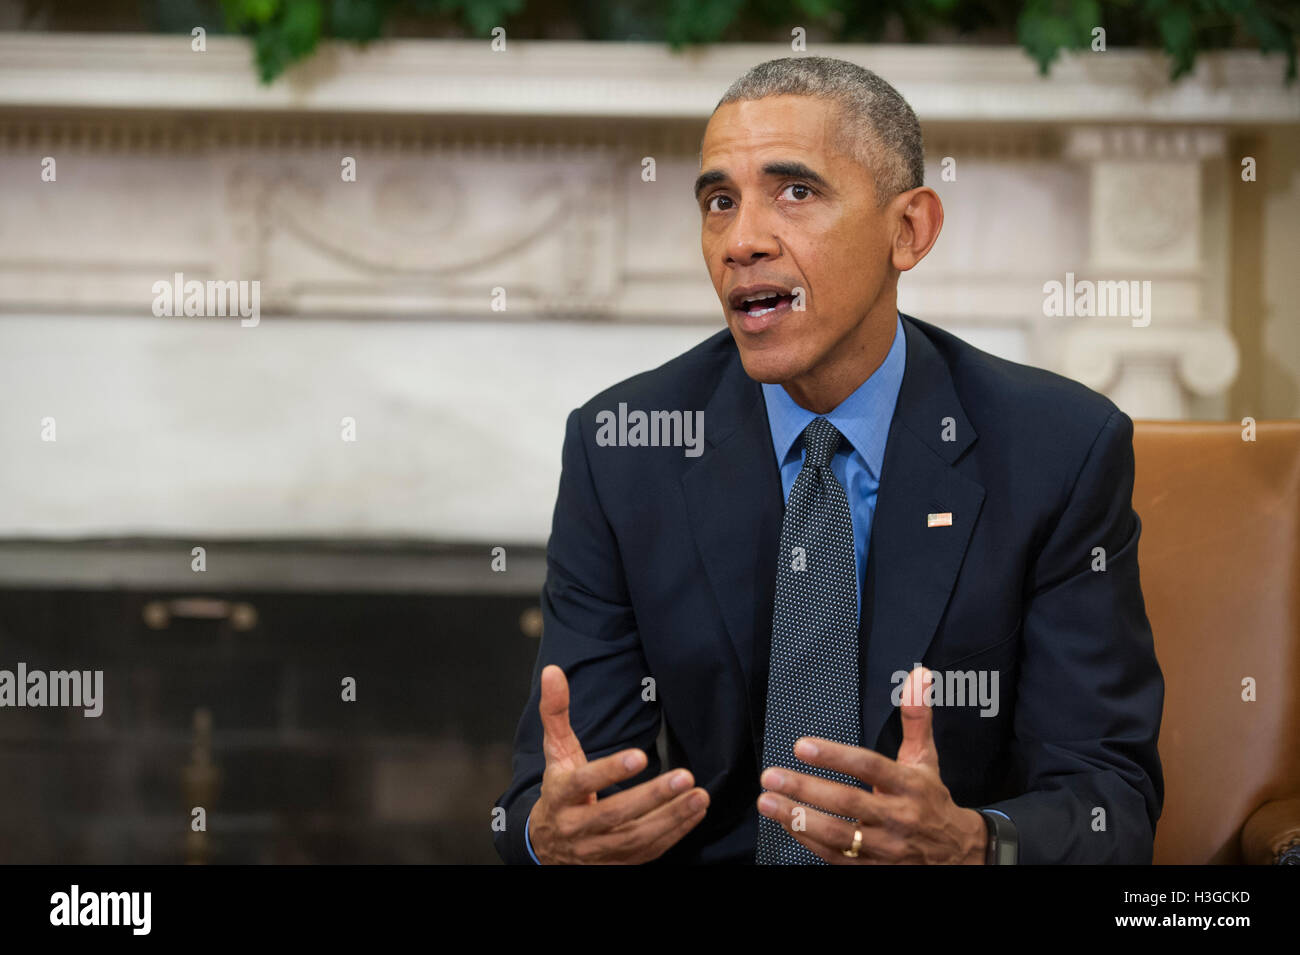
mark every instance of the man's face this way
{"type": "Point", "coordinates": [783, 207]}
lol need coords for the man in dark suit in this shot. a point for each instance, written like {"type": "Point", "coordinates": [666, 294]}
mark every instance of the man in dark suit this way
{"type": "Point", "coordinates": [886, 607]}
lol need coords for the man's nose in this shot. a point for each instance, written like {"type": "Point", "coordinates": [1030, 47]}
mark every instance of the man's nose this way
{"type": "Point", "coordinates": [751, 237]}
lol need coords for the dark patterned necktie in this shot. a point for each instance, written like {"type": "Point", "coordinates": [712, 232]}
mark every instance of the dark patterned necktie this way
{"type": "Point", "coordinates": [812, 684]}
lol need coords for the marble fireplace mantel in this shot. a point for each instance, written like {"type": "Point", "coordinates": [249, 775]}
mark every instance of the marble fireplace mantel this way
{"type": "Point", "coordinates": [944, 84]}
{"type": "Point", "coordinates": [486, 178]}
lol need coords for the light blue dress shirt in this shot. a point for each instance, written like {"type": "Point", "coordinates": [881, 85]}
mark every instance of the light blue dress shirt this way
{"type": "Point", "coordinates": [863, 418]}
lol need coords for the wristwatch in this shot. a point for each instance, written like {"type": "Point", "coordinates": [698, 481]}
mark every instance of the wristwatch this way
{"type": "Point", "coordinates": [1004, 844]}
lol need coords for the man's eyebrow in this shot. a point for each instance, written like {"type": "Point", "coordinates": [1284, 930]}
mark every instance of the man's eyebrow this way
{"type": "Point", "coordinates": [708, 179]}
{"type": "Point", "coordinates": [791, 169]}
{"type": "Point", "coordinates": [785, 169]}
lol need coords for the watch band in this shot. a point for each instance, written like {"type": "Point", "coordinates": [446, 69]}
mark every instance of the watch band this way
{"type": "Point", "coordinates": [1004, 841]}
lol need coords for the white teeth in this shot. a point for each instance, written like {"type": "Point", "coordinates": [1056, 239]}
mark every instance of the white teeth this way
{"type": "Point", "coordinates": [746, 302]}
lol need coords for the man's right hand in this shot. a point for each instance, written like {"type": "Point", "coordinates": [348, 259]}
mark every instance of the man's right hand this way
{"type": "Point", "coordinates": [569, 825]}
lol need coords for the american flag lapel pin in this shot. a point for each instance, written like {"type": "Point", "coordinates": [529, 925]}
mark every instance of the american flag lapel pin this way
{"type": "Point", "coordinates": [939, 520]}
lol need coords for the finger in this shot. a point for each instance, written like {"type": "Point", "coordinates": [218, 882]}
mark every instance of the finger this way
{"type": "Point", "coordinates": [657, 847]}
{"type": "Point", "coordinates": [863, 764]}
{"type": "Point", "coordinates": [823, 852]}
{"type": "Point", "coordinates": [836, 856]}
{"type": "Point", "coordinates": [830, 833]}
{"type": "Point", "coordinates": [559, 743]}
{"type": "Point", "coordinates": [798, 819]}
{"type": "Point", "coordinates": [631, 804]}
{"type": "Point", "coordinates": [824, 835]}
{"type": "Point", "coordinates": [917, 748]}
{"type": "Point", "coordinates": [656, 830]}
{"type": "Point", "coordinates": [602, 773]}
{"type": "Point", "coordinates": [825, 794]}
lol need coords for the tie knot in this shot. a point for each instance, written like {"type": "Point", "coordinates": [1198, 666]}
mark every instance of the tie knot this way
{"type": "Point", "coordinates": [820, 439]}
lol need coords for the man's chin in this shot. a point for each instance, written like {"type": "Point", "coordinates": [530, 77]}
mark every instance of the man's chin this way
{"type": "Point", "coordinates": [768, 366]}
{"type": "Point", "coordinates": [772, 356]}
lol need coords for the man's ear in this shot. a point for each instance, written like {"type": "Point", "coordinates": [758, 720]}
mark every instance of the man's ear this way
{"type": "Point", "coordinates": [919, 215]}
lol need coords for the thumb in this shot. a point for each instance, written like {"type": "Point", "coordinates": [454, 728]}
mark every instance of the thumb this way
{"type": "Point", "coordinates": [918, 747]}
{"type": "Point", "coordinates": [559, 742]}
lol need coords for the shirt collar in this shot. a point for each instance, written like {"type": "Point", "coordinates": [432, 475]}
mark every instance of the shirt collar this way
{"type": "Point", "coordinates": [863, 417]}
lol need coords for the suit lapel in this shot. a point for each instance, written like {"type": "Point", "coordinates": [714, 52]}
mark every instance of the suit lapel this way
{"type": "Point", "coordinates": [912, 567]}
{"type": "Point", "coordinates": [735, 507]}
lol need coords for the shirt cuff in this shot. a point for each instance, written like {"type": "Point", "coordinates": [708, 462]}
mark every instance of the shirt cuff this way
{"type": "Point", "coordinates": [528, 842]}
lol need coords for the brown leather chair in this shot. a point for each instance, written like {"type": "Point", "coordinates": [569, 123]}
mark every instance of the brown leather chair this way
{"type": "Point", "coordinates": [1220, 564]}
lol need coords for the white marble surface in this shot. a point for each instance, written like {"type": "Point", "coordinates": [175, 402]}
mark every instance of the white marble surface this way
{"type": "Point", "coordinates": [197, 426]}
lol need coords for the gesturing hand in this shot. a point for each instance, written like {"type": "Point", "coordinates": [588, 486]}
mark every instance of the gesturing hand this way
{"type": "Point", "coordinates": [908, 818]}
{"type": "Point", "coordinates": [569, 824]}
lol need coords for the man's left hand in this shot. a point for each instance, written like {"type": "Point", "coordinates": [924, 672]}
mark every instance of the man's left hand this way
{"type": "Point", "coordinates": [908, 818]}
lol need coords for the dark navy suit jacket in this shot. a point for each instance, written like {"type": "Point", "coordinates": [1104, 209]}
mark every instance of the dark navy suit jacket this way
{"type": "Point", "coordinates": [662, 565]}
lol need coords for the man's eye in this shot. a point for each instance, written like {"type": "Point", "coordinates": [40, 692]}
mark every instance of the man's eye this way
{"type": "Point", "coordinates": [712, 199]}
{"type": "Point", "coordinates": [806, 190]}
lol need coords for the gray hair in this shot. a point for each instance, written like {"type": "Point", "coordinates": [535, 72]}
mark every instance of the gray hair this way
{"type": "Point", "coordinates": [879, 129]}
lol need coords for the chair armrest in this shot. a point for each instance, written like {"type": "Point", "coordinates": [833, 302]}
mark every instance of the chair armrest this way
{"type": "Point", "coordinates": [1271, 835]}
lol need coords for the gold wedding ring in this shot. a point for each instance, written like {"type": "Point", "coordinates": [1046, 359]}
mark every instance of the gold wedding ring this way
{"type": "Point", "coordinates": [852, 851]}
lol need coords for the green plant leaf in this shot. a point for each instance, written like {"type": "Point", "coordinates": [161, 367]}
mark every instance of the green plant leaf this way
{"type": "Point", "coordinates": [359, 20]}
{"type": "Point", "coordinates": [301, 26]}
{"type": "Point", "coordinates": [242, 13]}
{"type": "Point", "coordinates": [699, 21]}
{"type": "Point", "coordinates": [284, 31]}
{"type": "Point", "coordinates": [1176, 31]}
{"type": "Point", "coordinates": [1273, 36]}
{"type": "Point", "coordinates": [1045, 27]}
{"type": "Point", "coordinates": [482, 16]}
{"type": "Point", "coordinates": [817, 9]}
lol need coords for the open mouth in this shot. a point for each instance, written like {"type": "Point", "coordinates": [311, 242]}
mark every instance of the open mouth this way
{"type": "Point", "coordinates": [756, 307]}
